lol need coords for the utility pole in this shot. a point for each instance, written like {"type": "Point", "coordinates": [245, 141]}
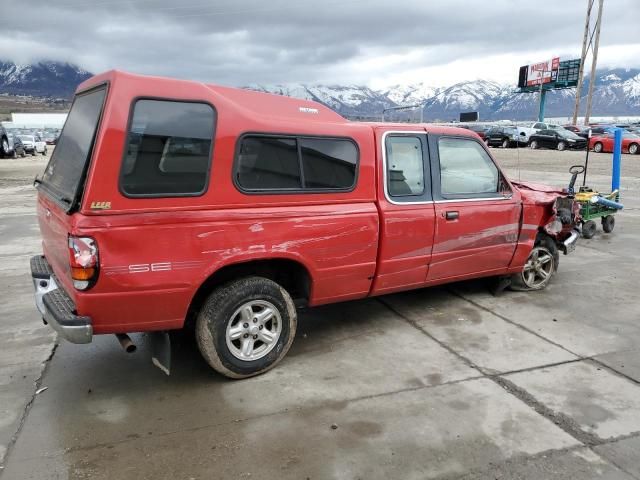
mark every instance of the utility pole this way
{"type": "Point", "coordinates": [592, 78]}
{"type": "Point", "coordinates": [583, 57]}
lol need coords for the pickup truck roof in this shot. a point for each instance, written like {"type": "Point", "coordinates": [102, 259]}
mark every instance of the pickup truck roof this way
{"type": "Point", "coordinates": [274, 112]}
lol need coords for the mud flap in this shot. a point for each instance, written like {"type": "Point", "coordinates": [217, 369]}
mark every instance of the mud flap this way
{"type": "Point", "coordinates": [160, 344]}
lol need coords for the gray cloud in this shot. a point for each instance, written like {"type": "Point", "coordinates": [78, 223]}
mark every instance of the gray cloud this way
{"type": "Point", "coordinates": [248, 41]}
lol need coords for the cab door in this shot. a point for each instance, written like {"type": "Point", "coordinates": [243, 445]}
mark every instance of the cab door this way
{"type": "Point", "coordinates": [477, 213]}
{"type": "Point", "coordinates": [407, 219]}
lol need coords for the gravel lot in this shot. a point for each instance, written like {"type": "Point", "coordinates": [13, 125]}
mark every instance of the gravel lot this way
{"type": "Point", "coordinates": [438, 383]}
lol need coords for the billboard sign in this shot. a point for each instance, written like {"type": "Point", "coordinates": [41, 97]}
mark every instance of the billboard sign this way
{"type": "Point", "coordinates": [553, 74]}
{"type": "Point", "coordinates": [543, 72]}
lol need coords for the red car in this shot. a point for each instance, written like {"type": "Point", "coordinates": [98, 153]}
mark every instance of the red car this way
{"type": "Point", "coordinates": [169, 203]}
{"type": "Point", "coordinates": [604, 143]}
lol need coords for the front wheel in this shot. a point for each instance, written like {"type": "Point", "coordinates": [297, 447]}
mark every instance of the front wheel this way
{"type": "Point", "coordinates": [533, 145]}
{"type": "Point", "coordinates": [505, 143]}
{"type": "Point", "coordinates": [246, 327]}
{"type": "Point", "coordinates": [597, 147]}
{"type": "Point", "coordinates": [589, 229]}
{"type": "Point", "coordinates": [540, 266]}
{"type": "Point", "coordinates": [561, 146]}
{"type": "Point", "coordinates": [633, 148]}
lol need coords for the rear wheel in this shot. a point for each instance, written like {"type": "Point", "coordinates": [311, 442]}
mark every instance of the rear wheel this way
{"type": "Point", "coordinates": [246, 327]}
{"type": "Point", "coordinates": [608, 223]}
{"type": "Point", "coordinates": [597, 147]}
{"type": "Point", "coordinates": [533, 144]}
{"type": "Point", "coordinates": [561, 146]}
{"type": "Point", "coordinates": [589, 229]}
{"type": "Point", "coordinates": [633, 148]}
{"type": "Point", "coordinates": [540, 266]}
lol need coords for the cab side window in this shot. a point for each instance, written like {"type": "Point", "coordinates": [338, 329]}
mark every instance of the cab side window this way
{"type": "Point", "coordinates": [168, 150]}
{"type": "Point", "coordinates": [405, 170]}
{"type": "Point", "coordinates": [466, 170]}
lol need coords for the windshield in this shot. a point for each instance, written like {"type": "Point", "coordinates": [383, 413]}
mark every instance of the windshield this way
{"type": "Point", "coordinates": [68, 162]}
{"type": "Point", "coordinates": [567, 134]}
{"type": "Point", "coordinates": [630, 135]}
{"type": "Point", "coordinates": [26, 138]}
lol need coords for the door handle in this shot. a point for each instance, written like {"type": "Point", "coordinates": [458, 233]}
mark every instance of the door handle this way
{"type": "Point", "coordinates": [452, 215]}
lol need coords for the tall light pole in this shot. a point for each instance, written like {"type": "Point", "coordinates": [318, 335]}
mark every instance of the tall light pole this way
{"type": "Point", "coordinates": [583, 56]}
{"type": "Point", "coordinates": [594, 63]}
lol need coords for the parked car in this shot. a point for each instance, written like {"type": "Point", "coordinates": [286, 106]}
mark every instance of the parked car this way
{"type": "Point", "coordinates": [50, 138]}
{"type": "Point", "coordinates": [5, 148]}
{"type": "Point", "coordinates": [481, 130]}
{"type": "Point", "coordinates": [578, 130]}
{"type": "Point", "coordinates": [33, 144]}
{"type": "Point", "coordinates": [604, 143]}
{"type": "Point", "coordinates": [601, 129]}
{"type": "Point", "coordinates": [231, 242]}
{"type": "Point", "coordinates": [504, 137]}
{"type": "Point", "coordinates": [10, 144]}
{"type": "Point", "coordinates": [544, 126]}
{"type": "Point", "coordinates": [559, 139]}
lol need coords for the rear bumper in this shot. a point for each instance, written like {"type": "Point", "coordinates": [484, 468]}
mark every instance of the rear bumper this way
{"type": "Point", "coordinates": [56, 307]}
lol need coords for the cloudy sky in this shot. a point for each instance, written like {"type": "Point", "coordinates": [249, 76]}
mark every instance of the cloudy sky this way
{"type": "Point", "coordinates": [372, 42]}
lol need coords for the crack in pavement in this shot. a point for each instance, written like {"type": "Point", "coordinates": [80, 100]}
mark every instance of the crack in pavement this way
{"type": "Point", "coordinates": [562, 421]}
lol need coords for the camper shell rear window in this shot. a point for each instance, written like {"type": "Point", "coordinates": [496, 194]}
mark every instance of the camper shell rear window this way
{"type": "Point", "coordinates": [64, 176]}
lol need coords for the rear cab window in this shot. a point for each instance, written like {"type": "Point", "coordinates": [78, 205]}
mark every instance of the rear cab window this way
{"type": "Point", "coordinates": [168, 150]}
{"type": "Point", "coordinates": [63, 177]}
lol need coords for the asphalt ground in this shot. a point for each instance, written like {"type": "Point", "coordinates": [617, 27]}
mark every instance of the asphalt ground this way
{"type": "Point", "coordinates": [447, 382]}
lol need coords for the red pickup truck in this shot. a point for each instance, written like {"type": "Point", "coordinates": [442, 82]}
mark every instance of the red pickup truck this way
{"type": "Point", "coordinates": [169, 204]}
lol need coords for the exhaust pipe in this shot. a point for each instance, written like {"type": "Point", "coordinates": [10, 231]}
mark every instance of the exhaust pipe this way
{"type": "Point", "coordinates": [126, 343]}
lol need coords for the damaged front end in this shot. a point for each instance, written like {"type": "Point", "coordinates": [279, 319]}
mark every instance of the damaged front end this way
{"type": "Point", "coordinates": [555, 211]}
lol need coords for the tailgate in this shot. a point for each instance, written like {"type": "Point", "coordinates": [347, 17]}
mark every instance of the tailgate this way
{"type": "Point", "coordinates": [55, 226]}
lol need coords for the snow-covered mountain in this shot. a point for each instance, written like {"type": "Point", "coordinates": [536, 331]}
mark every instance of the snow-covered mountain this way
{"type": "Point", "coordinates": [617, 92]}
{"type": "Point", "coordinates": [42, 79]}
{"type": "Point", "coordinates": [350, 100]}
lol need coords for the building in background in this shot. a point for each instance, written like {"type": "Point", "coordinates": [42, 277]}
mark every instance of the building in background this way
{"type": "Point", "coordinates": [37, 120]}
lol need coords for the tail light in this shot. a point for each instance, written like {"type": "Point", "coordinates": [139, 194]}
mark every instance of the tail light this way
{"type": "Point", "coordinates": [84, 262]}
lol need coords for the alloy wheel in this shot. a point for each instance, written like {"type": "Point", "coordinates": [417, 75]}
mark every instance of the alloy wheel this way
{"type": "Point", "coordinates": [539, 268]}
{"type": "Point", "coordinates": [253, 330]}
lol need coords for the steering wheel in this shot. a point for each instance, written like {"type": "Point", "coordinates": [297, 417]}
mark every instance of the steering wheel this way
{"type": "Point", "coordinates": [576, 169]}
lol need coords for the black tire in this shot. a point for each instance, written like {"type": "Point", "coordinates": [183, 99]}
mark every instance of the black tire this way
{"type": "Point", "coordinates": [533, 144]}
{"type": "Point", "coordinates": [546, 245]}
{"type": "Point", "coordinates": [608, 223]}
{"type": "Point", "coordinates": [4, 147]}
{"type": "Point", "coordinates": [589, 229]}
{"type": "Point", "coordinates": [23, 154]}
{"type": "Point", "coordinates": [14, 154]}
{"type": "Point", "coordinates": [633, 148]}
{"type": "Point", "coordinates": [44, 152]}
{"type": "Point", "coordinates": [561, 146]}
{"type": "Point", "coordinates": [597, 147]}
{"type": "Point", "coordinates": [505, 143]}
{"type": "Point", "coordinates": [217, 314]}
{"type": "Point", "coordinates": [34, 153]}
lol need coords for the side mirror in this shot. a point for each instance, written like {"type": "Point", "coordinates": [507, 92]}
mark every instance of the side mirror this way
{"type": "Point", "coordinates": [522, 134]}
